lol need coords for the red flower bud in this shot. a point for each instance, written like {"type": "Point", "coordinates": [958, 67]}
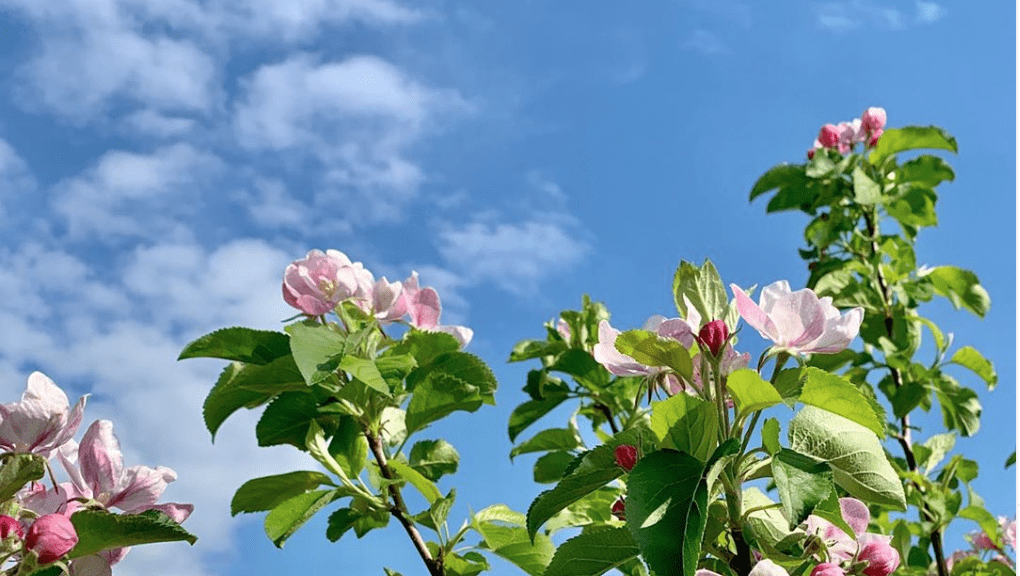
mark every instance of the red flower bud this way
{"type": "Point", "coordinates": [827, 569]}
{"type": "Point", "coordinates": [829, 136]}
{"type": "Point", "coordinates": [10, 526]}
{"type": "Point", "coordinates": [51, 536]}
{"type": "Point", "coordinates": [714, 335]}
{"type": "Point", "coordinates": [626, 456]}
{"type": "Point", "coordinates": [619, 507]}
{"type": "Point", "coordinates": [882, 558]}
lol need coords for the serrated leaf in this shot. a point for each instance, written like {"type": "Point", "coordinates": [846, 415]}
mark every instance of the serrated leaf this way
{"type": "Point", "coordinates": [895, 140]}
{"type": "Point", "coordinates": [452, 381]}
{"type": "Point", "coordinates": [240, 345]}
{"type": "Point", "coordinates": [650, 349]}
{"type": "Point", "coordinates": [938, 446]}
{"type": "Point", "coordinates": [317, 350]}
{"type": "Point", "coordinates": [802, 483]}
{"type": "Point", "coordinates": [286, 420]}
{"type": "Point", "coordinates": [961, 409]}
{"type": "Point", "coordinates": [750, 392]}
{"type": "Point", "coordinates": [434, 458]}
{"type": "Point", "coordinates": [837, 395]}
{"type": "Point", "coordinates": [766, 522]}
{"type": "Point", "coordinates": [972, 360]}
{"type": "Point", "coordinates": [367, 372]}
{"type": "Point", "coordinates": [551, 467]}
{"type": "Point", "coordinates": [17, 470]}
{"type": "Point", "coordinates": [593, 553]}
{"type": "Point", "coordinates": [926, 170]}
{"type": "Point", "coordinates": [565, 439]}
{"type": "Point", "coordinates": [348, 446]}
{"type": "Point", "coordinates": [285, 519]}
{"type": "Point", "coordinates": [594, 510]}
{"type": "Point", "coordinates": [227, 397]}
{"type": "Point", "coordinates": [667, 501]}
{"type": "Point", "coordinates": [961, 287]}
{"type": "Point", "coordinates": [529, 412]}
{"type": "Point", "coordinates": [425, 346]}
{"type": "Point", "coordinates": [267, 492]}
{"type": "Point", "coordinates": [687, 424]}
{"type": "Point", "coordinates": [703, 288]}
{"type": "Point", "coordinates": [582, 367]}
{"type": "Point", "coordinates": [778, 176]}
{"type": "Point", "coordinates": [770, 436]}
{"type": "Point", "coordinates": [429, 490]}
{"type": "Point", "coordinates": [100, 530]}
{"type": "Point", "coordinates": [866, 190]}
{"type": "Point", "coordinates": [528, 349]}
{"type": "Point", "coordinates": [858, 462]}
{"type": "Point", "coordinates": [513, 543]}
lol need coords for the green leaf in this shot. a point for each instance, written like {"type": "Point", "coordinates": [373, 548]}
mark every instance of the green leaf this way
{"type": "Point", "coordinates": [239, 344]}
{"type": "Point", "coordinates": [866, 190]}
{"type": "Point", "coordinates": [467, 564]}
{"type": "Point", "coordinates": [926, 170]}
{"type": "Point", "coordinates": [593, 553]}
{"type": "Point", "coordinates": [750, 391]}
{"type": "Point", "coordinates": [829, 509]}
{"type": "Point", "coordinates": [597, 467]}
{"type": "Point", "coordinates": [790, 384]}
{"type": "Point", "coordinates": [961, 287]}
{"type": "Point", "coordinates": [770, 436]}
{"type": "Point", "coordinates": [895, 140]}
{"type": "Point", "coordinates": [650, 349]}
{"type": "Point", "coordinates": [582, 366]}
{"type": "Point", "coordinates": [938, 446]}
{"type": "Point", "coordinates": [528, 349]}
{"type": "Point", "coordinates": [286, 420]}
{"type": "Point", "coordinates": [667, 501]}
{"type": "Point", "coordinates": [344, 519]}
{"type": "Point", "coordinates": [1011, 460]}
{"type": "Point", "coordinates": [915, 207]}
{"type": "Point", "coordinates": [317, 350]}
{"type": "Point", "coordinates": [592, 511]}
{"type": "Point", "coordinates": [452, 381]}
{"type": "Point", "coordinates": [289, 515]}
{"type": "Point", "coordinates": [803, 483]}
{"type": "Point", "coordinates": [349, 446]}
{"type": "Point", "coordinates": [687, 424]}
{"type": "Point", "coordinates": [424, 347]}
{"type": "Point", "coordinates": [17, 470]}
{"type": "Point", "coordinates": [423, 484]}
{"type": "Point", "coordinates": [552, 466]}
{"type": "Point", "coordinates": [779, 176]}
{"type": "Point", "coordinates": [227, 397]}
{"type": "Point", "coordinates": [512, 542]}
{"type": "Point", "coordinates": [703, 288]}
{"type": "Point", "coordinates": [100, 530]}
{"type": "Point", "coordinates": [837, 395]}
{"type": "Point", "coordinates": [766, 522]}
{"type": "Point", "coordinates": [529, 412]}
{"type": "Point", "coordinates": [858, 462]}
{"type": "Point", "coordinates": [972, 360]}
{"type": "Point", "coordinates": [367, 372]}
{"type": "Point", "coordinates": [268, 492]}
{"type": "Point", "coordinates": [434, 458]}
{"type": "Point", "coordinates": [961, 409]}
{"type": "Point", "coordinates": [552, 439]}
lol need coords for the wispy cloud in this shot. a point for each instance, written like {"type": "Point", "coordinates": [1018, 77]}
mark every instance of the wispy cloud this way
{"type": "Point", "coordinates": [929, 12]}
{"type": "Point", "coordinates": [856, 14]}
{"type": "Point", "coordinates": [705, 42]}
{"type": "Point", "coordinates": [738, 13]}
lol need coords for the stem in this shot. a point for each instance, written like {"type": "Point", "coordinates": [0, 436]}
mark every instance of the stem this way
{"type": "Point", "coordinates": [904, 438]}
{"type": "Point", "coordinates": [609, 416]}
{"type": "Point", "coordinates": [399, 509]}
{"type": "Point", "coordinates": [741, 562]}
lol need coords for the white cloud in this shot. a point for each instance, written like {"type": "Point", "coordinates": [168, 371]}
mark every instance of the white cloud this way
{"type": "Point", "coordinates": [845, 16]}
{"type": "Point", "coordinates": [301, 19]}
{"type": "Point", "coordinates": [705, 42]}
{"type": "Point", "coordinates": [134, 195]}
{"type": "Point", "coordinates": [15, 178]}
{"type": "Point", "coordinates": [149, 121]}
{"type": "Point", "coordinates": [271, 205]}
{"type": "Point", "coordinates": [928, 12]}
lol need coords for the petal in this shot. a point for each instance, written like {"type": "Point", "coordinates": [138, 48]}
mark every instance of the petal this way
{"type": "Point", "coordinates": [799, 318]}
{"type": "Point", "coordinates": [463, 334]}
{"type": "Point", "coordinates": [177, 512]}
{"type": "Point", "coordinates": [425, 309]}
{"type": "Point", "coordinates": [141, 488]}
{"type": "Point", "coordinates": [100, 459]}
{"type": "Point", "coordinates": [855, 513]}
{"type": "Point", "coordinates": [767, 567]}
{"type": "Point", "coordinates": [754, 314]}
{"type": "Point", "coordinates": [616, 362]}
{"type": "Point", "coordinates": [837, 333]}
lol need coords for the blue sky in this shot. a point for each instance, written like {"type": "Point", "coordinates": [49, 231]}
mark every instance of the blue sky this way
{"type": "Point", "coordinates": [161, 161]}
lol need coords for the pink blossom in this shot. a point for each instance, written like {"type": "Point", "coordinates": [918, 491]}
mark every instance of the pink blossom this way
{"type": "Point", "coordinates": [101, 476]}
{"type": "Point", "coordinates": [317, 283]}
{"type": "Point", "coordinates": [873, 120]}
{"type": "Point", "coordinates": [982, 541]}
{"type": "Point", "coordinates": [563, 329]}
{"type": "Point", "coordinates": [56, 500]}
{"type": "Point", "coordinates": [798, 322]}
{"type": "Point", "coordinates": [706, 572]}
{"type": "Point", "coordinates": [882, 558]}
{"type": "Point", "coordinates": [767, 568]}
{"type": "Point", "coordinates": [828, 137]}
{"type": "Point", "coordinates": [957, 556]}
{"type": "Point", "coordinates": [850, 133]}
{"type": "Point", "coordinates": [388, 305]}
{"type": "Point", "coordinates": [840, 545]}
{"type": "Point", "coordinates": [626, 456]}
{"type": "Point", "coordinates": [682, 330]}
{"type": "Point", "coordinates": [616, 362]}
{"type": "Point", "coordinates": [424, 308]}
{"type": "Point", "coordinates": [827, 569]}
{"type": "Point", "coordinates": [42, 421]}
{"type": "Point", "coordinates": [51, 537]}
{"type": "Point", "coordinates": [10, 527]}
{"type": "Point", "coordinates": [873, 139]}
{"type": "Point", "coordinates": [714, 335]}
{"type": "Point", "coordinates": [1008, 531]}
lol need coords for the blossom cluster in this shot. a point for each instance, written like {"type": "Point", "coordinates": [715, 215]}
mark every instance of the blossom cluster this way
{"type": "Point", "coordinates": [983, 545]}
{"type": "Point", "coordinates": [843, 136]}
{"type": "Point", "coordinates": [858, 553]}
{"type": "Point", "coordinates": [36, 527]}
{"type": "Point", "coordinates": [321, 281]}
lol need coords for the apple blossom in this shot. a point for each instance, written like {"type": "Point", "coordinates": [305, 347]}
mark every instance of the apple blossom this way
{"type": "Point", "coordinates": [798, 322]}
{"type": "Point", "coordinates": [563, 329]}
{"type": "Point", "coordinates": [424, 308]}
{"type": "Point", "coordinates": [42, 421]}
{"type": "Point", "coordinates": [101, 476]}
{"type": "Point", "coordinates": [1008, 531]}
{"type": "Point", "coordinates": [873, 120]}
{"type": "Point", "coordinates": [767, 567]}
{"type": "Point", "coordinates": [9, 526]}
{"type": "Point", "coordinates": [51, 537]}
{"type": "Point", "coordinates": [840, 545]}
{"type": "Point", "coordinates": [850, 133]}
{"type": "Point", "coordinates": [714, 335]}
{"type": "Point", "coordinates": [319, 281]}
{"type": "Point", "coordinates": [616, 362]}
{"type": "Point", "coordinates": [388, 305]}
{"type": "Point", "coordinates": [827, 569]}
{"type": "Point", "coordinates": [828, 137]}
{"type": "Point", "coordinates": [882, 558]}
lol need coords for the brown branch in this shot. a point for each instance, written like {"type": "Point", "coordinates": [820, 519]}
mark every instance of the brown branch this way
{"type": "Point", "coordinates": [399, 509]}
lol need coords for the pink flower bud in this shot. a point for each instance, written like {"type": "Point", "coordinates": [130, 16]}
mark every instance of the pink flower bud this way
{"type": "Point", "coordinates": [829, 136]}
{"type": "Point", "coordinates": [882, 558]}
{"type": "Point", "coordinates": [811, 154]}
{"type": "Point", "coordinates": [873, 140]}
{"type": "Point", "coordinates": [714, 335]}
{"type": "Point", "coordinates": [626, 457]}
{"type": "Point", "coordinates": [982, 541]}
{"type": "Point", "coordinates": [827, 569]}
{"type": "Point", "coordinates": [873, 119]}
{"type": "Point", "coordinates": [51, 537]}
{"type": "Point", "coordinates": [619, 507]}
{"type": "Point", "coordinates": [10, 526]}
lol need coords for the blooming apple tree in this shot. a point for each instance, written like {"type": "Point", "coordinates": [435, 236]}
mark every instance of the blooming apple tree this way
{"type": "Point", "coordinates": [51, 528]}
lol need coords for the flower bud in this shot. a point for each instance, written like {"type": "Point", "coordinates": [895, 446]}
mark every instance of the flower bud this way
{"type": "Point", "coordinates": [626, 456]}
{"type": "Point", "coordinates": [10, 526]}
{"type": "Point", "coordinates": [714, 335]}
{"type": "Point", "coordinates": [829, 136]}
{"type": "Point", "coordinates": [882, 558]}
{"type": "Point", "coordinates": [873, 120]}
{"type": "Point", "coordinates": [51, 536]}
{"type": "Point", "coordinates": [827, 569]}
{"type": "Point", "coordinates": [619, 507]}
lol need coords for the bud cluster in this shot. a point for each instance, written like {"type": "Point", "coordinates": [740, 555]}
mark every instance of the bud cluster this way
{"type": "Point", "coordinates": [843, 136]}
